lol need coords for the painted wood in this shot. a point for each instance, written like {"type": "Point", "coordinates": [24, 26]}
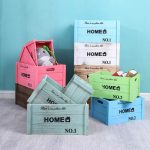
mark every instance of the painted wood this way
{"type": "Point", "coordinates": [113, 87]}
{"type": "Point", "coordinates": [113, 112]}
{"type": "Point", "coordinates": [49, 91]}
{"type": "Point", "coordinates": [22, 94]}
{"type": "Point", "coordinates": [78, 90]}
{"type": "Point", "coordinates": [57, 119]}
{"type": "Point", "coordinates": [97, 42]}
{"type": "Point", "coordinates": [30, 76]}
{"type": "Point", "coordinates": [84, 70]}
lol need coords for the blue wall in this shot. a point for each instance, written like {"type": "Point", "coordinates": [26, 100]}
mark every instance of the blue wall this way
{"type": "Point", "coordinates": [23, 20]}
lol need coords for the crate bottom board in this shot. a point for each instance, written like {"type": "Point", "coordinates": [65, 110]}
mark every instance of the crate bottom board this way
{"type": "Point", "coordinates": [21, 100]}
{"type": "Point", "coordinates": [63, 131]}
{"type": "Point", "coordinates": [22, 95]}
{"type": "Point", "coordinates": [117, 119]}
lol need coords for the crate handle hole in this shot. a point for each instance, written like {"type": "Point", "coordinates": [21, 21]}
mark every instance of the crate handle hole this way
{"type": "Point", "coordinates": [50, 69]}
{"type": "Point", "coordinates": [135, 79]}
{"type": "Point", "coordinates": [100, 102]}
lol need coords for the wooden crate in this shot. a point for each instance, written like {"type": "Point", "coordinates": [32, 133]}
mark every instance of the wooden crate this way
{"type": "Point", "coordinates": [115, 111]}
{"type": "Point", "coordinates": [57, 119]}
{"type": "Point", "coordinates": [78, 90]}
{"type": "Point", "coordinates": [49, 91]}
{"type": "Point", "coordinates": [114, 87]}
{"type": "Point", "coordinates": [84, 70]}
{"type": "Point", "coordinates": [96, 42]}
{"type": "Point", "coordinates": [22, 95]}
{"type": "Point", "coordinates": [30, 76]}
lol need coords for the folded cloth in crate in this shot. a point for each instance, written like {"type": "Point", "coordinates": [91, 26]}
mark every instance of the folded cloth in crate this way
{"type": "Point", "coordinates": [48, 91]}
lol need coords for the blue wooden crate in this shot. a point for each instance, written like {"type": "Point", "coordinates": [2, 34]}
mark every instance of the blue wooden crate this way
{"type": "Point", "coordinates": [97, 31]}
{"type": "Point", "coordinates": [78, 90]}
{"type": "Point", "coordinates": [57, 119]}
{"type": "Point", "coordinates": [115, 111]}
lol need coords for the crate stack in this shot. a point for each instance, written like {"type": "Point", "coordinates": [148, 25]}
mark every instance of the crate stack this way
{"type": "Point", "coordinates": [53, 109]}
{"type": "Point", "coordinates": [116, 99]}
{"type": "Point", "coordinates": [29, 74]}
{"type": "Point", "coordinates": [96, 46]}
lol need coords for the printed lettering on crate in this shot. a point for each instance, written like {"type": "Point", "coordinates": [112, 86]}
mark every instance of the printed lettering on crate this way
{"type": "Point", "coordinates": [107, 86]}
{"type": "Point", "coordinates": [57, 119]}
{"type": "Point", "coordinates": [115, 111]}
{"type": "Point", "coordinates": [50, 92]}
{"type": "Point", "coordinates": [96, 42]}
{"type": "Point", "coordinates": [28, 71]}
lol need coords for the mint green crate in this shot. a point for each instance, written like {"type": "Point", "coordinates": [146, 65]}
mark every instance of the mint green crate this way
{"type": "Point", "coordinates": [49, 92]}
{"type": "Point", "coordinates": [65, 119]}
{"type": "Point", "coordinates": [78, 90]}
{"type": "Point", "coordinates": [113, 87]}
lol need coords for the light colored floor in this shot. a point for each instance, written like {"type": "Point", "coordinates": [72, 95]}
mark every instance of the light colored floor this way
{"type": "Point", "coordinates": [128, 136]}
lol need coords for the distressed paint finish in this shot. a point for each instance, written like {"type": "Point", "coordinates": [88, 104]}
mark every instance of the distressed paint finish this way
{"type": "Point", "coordinates": [57, 119]}
{"type": "Point", "coordinates": [29, 74]}
{"type": "Point", "coordinates": [49, 91]}
{"type": "Point", "coordinates": [84, 70]}
{"type": "Point", "coordinates": [22, 94]}
{"type": "Point", "coordinates": [113, 87]}
{"type": "Point", "coordinates": [78, 90]}
{"type": "Point", "coordinates": [115, 111]}
{"type": "Point", "coordinates": [96, 42]}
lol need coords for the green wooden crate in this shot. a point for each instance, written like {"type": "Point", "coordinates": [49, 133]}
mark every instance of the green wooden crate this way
{"type": "Point", "coordinates": [78, 90]}
{"type": "Point", "coordinates": [57, 119]}
{"type": "Point", "coordinates": [113, 87]}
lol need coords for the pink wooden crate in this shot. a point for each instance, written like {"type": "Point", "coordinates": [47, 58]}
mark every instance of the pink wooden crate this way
{"type": "Point", "coordinates": [29, 55]}
{"type": "Point", "coordinates": [30, 75]}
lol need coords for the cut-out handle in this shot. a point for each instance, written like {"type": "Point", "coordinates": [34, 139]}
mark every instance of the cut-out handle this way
{"type": "Point", "coordinates": [99, 101]}
{"type": "Point", "coordinates": [50, 69]}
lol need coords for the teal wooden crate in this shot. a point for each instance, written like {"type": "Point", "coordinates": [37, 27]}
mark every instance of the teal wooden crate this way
{"type": "Point", "coordinates": [57, 119]}
{"type": "Point", "coordinates": [78, 90]}
{"type": "Point", "coordinates": [114, 87]}
{"type": "Point", "coordinates": [49, 92]}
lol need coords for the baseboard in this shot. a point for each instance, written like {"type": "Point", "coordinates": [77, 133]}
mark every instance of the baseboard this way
{"type": "Point", "coordinates": [11, 95]}
{"type": "Point", "coordinates": [145, 95]}
{"type": "Point", "coordinates": [7, 94]}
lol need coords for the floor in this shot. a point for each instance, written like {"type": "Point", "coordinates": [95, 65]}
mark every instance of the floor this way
{"type": "Point", "coordinates": [128, 136]}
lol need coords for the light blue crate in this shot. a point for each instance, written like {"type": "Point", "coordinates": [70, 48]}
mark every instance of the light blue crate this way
{"type": "Point", "coordinates": [57, 119]}
{"type": "Point", "coordinates": [78, 90]}
{"type": "Point", "coordinates": [89, 31]}
{"type": "Point", "coordinates": [115, 111]}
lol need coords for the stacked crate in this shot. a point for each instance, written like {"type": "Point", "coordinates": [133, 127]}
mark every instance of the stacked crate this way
{"type": "Point", "coordinates": [53, 109]}
{"type": "Point", "coordinates": [96, 46]}
{"type": "Point", "coordinates": [116, 99]}
{"type": "Point", "coordinates": [29, 74]}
